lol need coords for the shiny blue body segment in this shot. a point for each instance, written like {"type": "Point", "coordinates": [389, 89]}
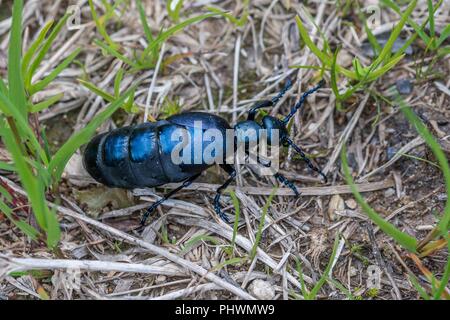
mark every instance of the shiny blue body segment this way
{"type": "Point", "coordinates": [141, 145]}
{"type": "Point", "coordinates": [116, 149]}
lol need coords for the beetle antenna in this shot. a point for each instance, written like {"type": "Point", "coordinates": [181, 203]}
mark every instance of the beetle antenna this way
{"type": "Point", "coordinates": [302, 100]}
{"type": "Point", "coordinates": [287, 86]}
{"type": "Point", "coordinates": [305, 158]}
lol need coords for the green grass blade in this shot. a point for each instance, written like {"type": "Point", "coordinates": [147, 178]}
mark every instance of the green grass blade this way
{"type": "Point", "coordinates": [92, 87]}
{"type": "Point", "coordinates": [175, 13]}
{"type": "Point", "coordinates": [419, 30]}
{"type": "Point", "coordinates": [402, 238]}
{"type": "Point", "coordinates": [326, 273]}
{"type": "Point", "coordinates": [431, 18]}
{"type": "Point", "coordinates": [371, 76]}
{"type": "Point", "coordinates": [444, 222]}
{"type": "Point", "coordinates": [228, 262]}
{"type": "Point", "coordinates": [63, 155]}
{"type": "Point", "coordinates": [100, 27]}
{"type": "Point", "coordinates": [142, 16]}
{"type": "Point", "coordinates": [53, 229]}
{"type": "Point", "coordinates": [445, 33]}
{"type": "Point", "coordinates": [15, 81]}
{"type": "Point", "coordinates": [261, 224]}
{"type": "Point", "coordinates": [23, 125]}
{"type": "Point", "coordinates": [341, 287]}
{"type": "Point", "coordinates": [386, 51]}
{"type": "Point", "coordinates": [46, 103]}
{"type": "Point", "coordinates": [7, 166]}
{"type": "Point", "coordinates": [117, 80]}
{"type": "Point", "coordinates": [3, 87]}
{"type": "Point", "coordinates": [194, 240]}
{"type": "Point", "coordinates": [236, 217]}
{"type": "Point", "coordinates": [325, 59]}
{"type": "Point", "coordinates": [45, 48]}
{"type": "Point", "coordinates": [34, 47]}
{"type": "Point", "coordinates": [372, 40]}
{"type": "Point", "coordinates": [169, 32]}
{"type": "Point", "coordinates": [305, 292]}
{"type": "Point", "coordinates": [26, 175]}
{"type": "Point", "coordinates": [237, 22]}
{"type": "Point", "coordinates": [418, 287]}
{"type": "Point", "coordinates": [112, 51]}
{"type": "Point", "coordinates": [40, 85]}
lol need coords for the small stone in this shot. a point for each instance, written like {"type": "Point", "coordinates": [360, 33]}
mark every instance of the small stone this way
{"type": "Point", "coordinates": [262, 290]}
{"type": "Point", "coordinates": [389, 192]}
{"type": "Point", "coordinates": [390, 152]}
{"type": "Point", "coordinates": [160, 279]}
{"type": "Point", "coordinates": [404, 86]}
{"type": "Point", "coordinates": [336, 204]}
{"type": "Point", "coordinates": [353, 271]}
{"type": "Point", "coordinates": [351, 203]}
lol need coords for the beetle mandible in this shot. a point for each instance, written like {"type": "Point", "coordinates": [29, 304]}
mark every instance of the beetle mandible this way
{"type": "Point", "coordinates": [140, 156]}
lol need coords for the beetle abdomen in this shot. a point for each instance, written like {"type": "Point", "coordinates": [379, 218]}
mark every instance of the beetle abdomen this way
{"type": "Point", "coordinates": [128, 157]}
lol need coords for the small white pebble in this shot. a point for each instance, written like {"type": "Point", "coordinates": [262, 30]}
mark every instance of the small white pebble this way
{"type": "Point", "coordinates": [262, 290]}
{"type": "Point", "coordinates": [160, 279]}
{"type": "Point", "coordinates": [351, 204]}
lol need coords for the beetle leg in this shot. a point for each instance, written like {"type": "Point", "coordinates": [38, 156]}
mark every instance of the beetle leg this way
{"type": "Point", "coordinates": [232, 172]}
{"type": "Point", "coordinates": [305, 158]}
{"type": "Point", "coordinates": [152, 208]}
{"type": "Point", "coordinates": [287, 183]}
{"type": "Point", "coordinates": [269, 103]}
{"type": "Point", "coordinates": [256, 106]}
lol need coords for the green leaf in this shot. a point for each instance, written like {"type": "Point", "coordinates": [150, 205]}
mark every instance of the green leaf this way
{"type": "Point", "coordinates": [402, 238]}
{"type": "Point", "coordinates": [237, 22]}
{"type": "Point", "coordinates": [444, 222]}
{"type": "Point", "coordinates": [194, 240]}
{"type": "Point", "coordinates": [40, 85]}
{"type": "Point", "coordinates": [324, 58]}
{"type": "Point", "coordinates": [117, 81]}
{"type": "Point", "coordinates": [169, 32]}
{"type": "Point", "coordinates": [23, 125]}
{"type": "Point", "coordinates": [236, 217]}
{"type": "Point", "coordinates": [53, 230]}
{"type": "Point", "coordinates": [419, 30]}
{"type": "Point", "coordinates": [34, 47]}
{"type": "Point", "coordinates": [326, 273]}
{"type": "Point", "coordinates": [431, 17]}
{"type": "Point", "coordinates": [386, 51]}
{"type": "Point", "coordinates": [372, 40]}
{"type": "Point", "coordinates": [3, 88]}
{"type": "Point", "coordinates": [45, 48]}
{"type": "Point", "coordinates": [26, 176]}
{"type": "Point", "coordinates": [15, 81]}
{"type": "Point", "coordinates": [112, 51]}
{"type": "Point", "coordinates": [142, 16]}
{"type": "Point", "coordinates": [445, 33]}
{"type": "Point", "coordinates": [100, 25]}
{"type": "Point", "coordinates": [174, 14]}
{"type": "Point", "coordinates": [46, 103]}
{"type": "Point", "coordinates": [105, 95]}
{"type": "Point", "coordinates": [261, 224]}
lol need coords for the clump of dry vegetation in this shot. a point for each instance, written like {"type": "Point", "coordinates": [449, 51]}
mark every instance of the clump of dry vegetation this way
{"type": "Point", "coordinates": [379, 129]}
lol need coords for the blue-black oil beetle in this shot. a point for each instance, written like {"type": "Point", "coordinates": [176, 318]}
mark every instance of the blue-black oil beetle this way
{"type": "Point", "coordinates": [140, 156]}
